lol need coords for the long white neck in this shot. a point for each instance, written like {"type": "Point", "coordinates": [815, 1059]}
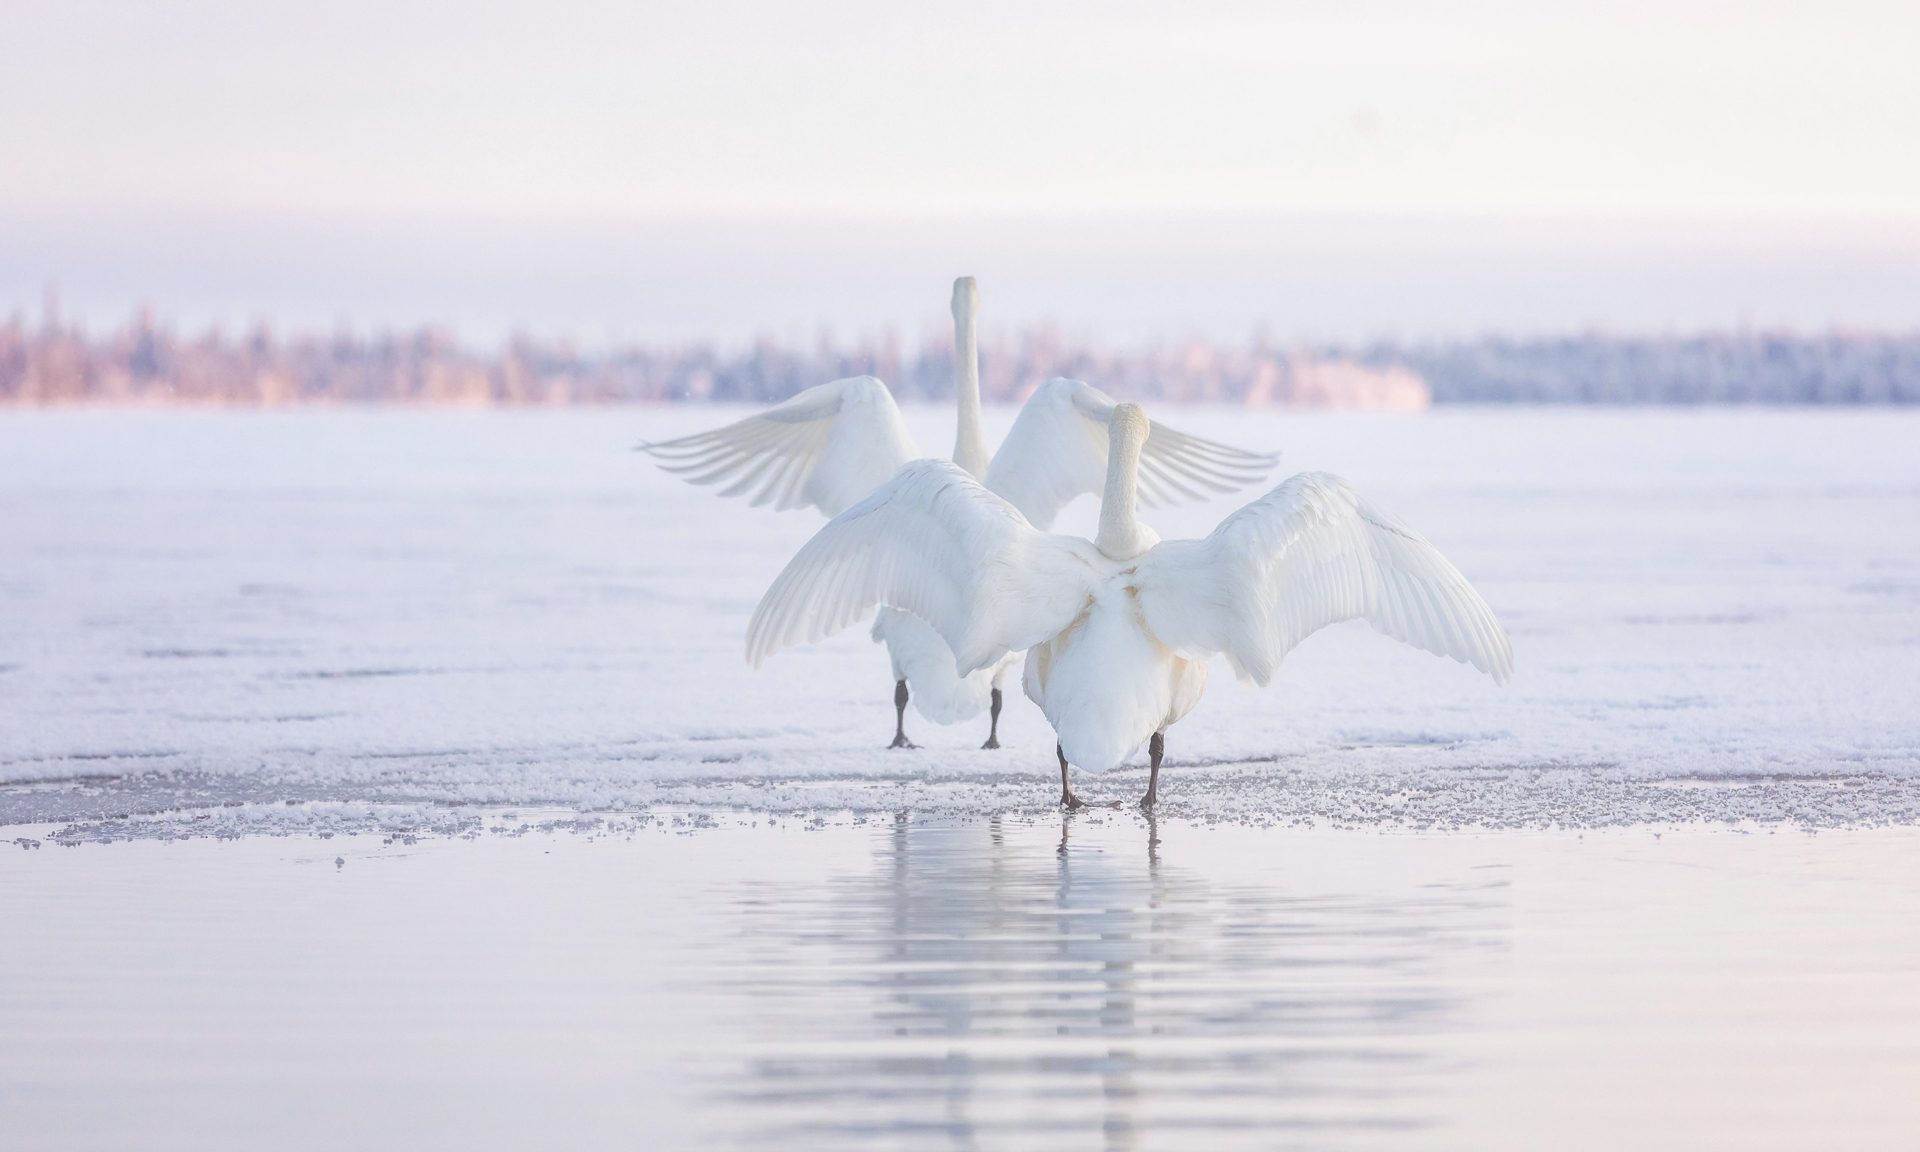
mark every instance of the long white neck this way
{"type": "Point", "coordinates": [969, 445]}
{"type": "Point", "coordinates": [1122, 536]}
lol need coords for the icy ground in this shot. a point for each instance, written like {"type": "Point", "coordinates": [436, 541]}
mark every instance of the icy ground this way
{"type": "Point", "coordinates": [229, 622]}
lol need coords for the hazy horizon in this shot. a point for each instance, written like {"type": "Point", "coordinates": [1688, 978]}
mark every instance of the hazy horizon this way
{"type": "Point", "coordinates": [1122, 280]}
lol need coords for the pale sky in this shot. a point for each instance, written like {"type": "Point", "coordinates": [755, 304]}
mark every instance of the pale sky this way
{"type": "Point", "coordinates": [1748, 107]}
{"type": "Point", "coordinates": [139, 122]}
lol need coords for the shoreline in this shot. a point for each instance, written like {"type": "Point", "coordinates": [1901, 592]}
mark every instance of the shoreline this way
{"type": "Point", "coordinates": [142, 808]}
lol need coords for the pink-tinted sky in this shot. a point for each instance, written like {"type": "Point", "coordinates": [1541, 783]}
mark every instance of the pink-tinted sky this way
{"type": "Point", "coordinates": [125, 127]}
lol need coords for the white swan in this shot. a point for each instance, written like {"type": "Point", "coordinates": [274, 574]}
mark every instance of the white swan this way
{"type": "Point", "coordinates": [1118, 630]}
{"type": "Point", "coordinates": [835, 443]}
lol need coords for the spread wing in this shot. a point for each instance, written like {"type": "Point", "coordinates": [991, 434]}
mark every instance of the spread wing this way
{"type": "Point", "coordinates": [828, 447]}
{"type": "Point", "coordinates": [932, 542]}
{"type": "Point", "coordinates": [1057, 450]}
{"type": "Point", "coordinates": [1310, 553]}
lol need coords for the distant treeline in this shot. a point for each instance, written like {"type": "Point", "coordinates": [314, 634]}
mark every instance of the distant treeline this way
{"type": "Point", "coordinates": [1838, 368]}
{"type": "Point", "coordinates": [144, 362]}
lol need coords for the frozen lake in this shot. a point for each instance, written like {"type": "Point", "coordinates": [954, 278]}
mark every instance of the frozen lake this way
{"type": "Point", "coordinates": [1047, 983]}
{"type": "Point", "coordinates": [235, 621]}
{"type": "Point", "coordinates": [542, 863]}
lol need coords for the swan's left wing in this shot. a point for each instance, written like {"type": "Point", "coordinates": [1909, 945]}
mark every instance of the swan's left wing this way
{"type": "Point", "coordinates": [1057, 450]}
{"type": "Point", "coordinates": [827, 446]}
{"type": "Point", "coordinates": [932, 542]}
{"type": "Point", "coordinates": [1310, 553]}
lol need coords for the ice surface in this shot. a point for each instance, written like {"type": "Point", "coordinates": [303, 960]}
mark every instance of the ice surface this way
{"type": "Point", "coordinates": [285, 620]}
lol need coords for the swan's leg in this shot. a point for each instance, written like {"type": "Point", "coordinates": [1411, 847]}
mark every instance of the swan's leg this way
{"type": "Point", "coordinates": [1156, 748]}
{"type": "Point", "coordinates": [993, 731]}
{"type": "Point", "coordinates": [900, 717]}
{"type": "Point", "coordinates": [1067, 799]}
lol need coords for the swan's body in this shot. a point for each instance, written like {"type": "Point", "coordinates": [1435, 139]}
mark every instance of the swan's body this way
{"type": "Point", "coordinates": [1104, 675]}
{"type": "Point", "coordinates": [922, 659]}
{"type": "Point", "coordinates": [1118, 631]}
{"type": "Point", "coordinates": [1106, 684]}
{"type": "Point", "coordinates": [833, 444]}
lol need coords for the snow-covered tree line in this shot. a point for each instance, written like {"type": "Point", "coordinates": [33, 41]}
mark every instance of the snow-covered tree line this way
{"type": "Point", "coordinates": [1836, 368]}
{"type": "Point", "coordinates": [147, 362]}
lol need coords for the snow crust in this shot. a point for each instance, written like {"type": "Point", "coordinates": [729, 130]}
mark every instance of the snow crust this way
{"type": "Point", "coordinates": [257, 618]}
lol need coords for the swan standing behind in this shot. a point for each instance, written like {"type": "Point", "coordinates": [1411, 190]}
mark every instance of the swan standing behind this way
{"type": "Point", "coordinates": [1118, 631]}
{"type": "Point", "coordinates": [835, 443]}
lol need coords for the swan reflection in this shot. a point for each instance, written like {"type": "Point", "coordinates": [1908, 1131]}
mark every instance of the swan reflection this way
{"type": "Point", "coordinates": [968, 987]}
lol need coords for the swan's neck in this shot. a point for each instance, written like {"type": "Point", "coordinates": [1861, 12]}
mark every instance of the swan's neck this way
{"type": "Point", "coordinates": [1122, 536]}
{"type": "Point", "coordinates": [969, 445]}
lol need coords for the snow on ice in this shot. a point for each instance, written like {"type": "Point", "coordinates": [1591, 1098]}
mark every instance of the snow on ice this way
{"type": "Point", "coordinates": [244, 621]}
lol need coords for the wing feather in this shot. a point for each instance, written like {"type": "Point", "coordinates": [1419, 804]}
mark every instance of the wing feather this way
{"type": "Point", "coordinates": [935, 543]}
{"type": "Point", "coordinates": [1311, 553]}
{"type": "Point", "coordinates": [1057, 450]}
{"type": "Point", "coordinates": [828, 447]}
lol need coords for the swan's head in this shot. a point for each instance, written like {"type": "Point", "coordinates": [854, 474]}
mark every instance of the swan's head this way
{"type": "Point", "coordinates": [1128, 426]}
{"type": "Point", "coordinates": [966, 297]}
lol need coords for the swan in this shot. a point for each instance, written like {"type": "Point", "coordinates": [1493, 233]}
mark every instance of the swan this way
{"type": "Point", "coordinates": [833, 444]}
{"type": "Point", "coordinates": [1118, 630]}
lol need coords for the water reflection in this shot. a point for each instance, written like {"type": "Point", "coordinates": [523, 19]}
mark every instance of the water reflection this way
{"type": "Point", "coordinates": [968, 987]}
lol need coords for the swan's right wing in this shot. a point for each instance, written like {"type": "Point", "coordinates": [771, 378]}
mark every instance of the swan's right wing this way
{"type": "Point", "coordinates": [828, 446]}
{"type": "Point", "coordinates": [1057, 450]}
{"type": "Point", "coordinates": [932, 542]}
{"type": "Point", "coordinates": [1310, 553]}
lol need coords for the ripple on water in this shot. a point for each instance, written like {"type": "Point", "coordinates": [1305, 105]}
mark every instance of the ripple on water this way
{"type": "Point", "coordinates": [968, 987]}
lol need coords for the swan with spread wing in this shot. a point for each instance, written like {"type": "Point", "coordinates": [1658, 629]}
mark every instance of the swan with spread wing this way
{"type": "Point", "coordinates": [833, 444]}
{"type": "Point", "coordinates": [1118, 630]}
